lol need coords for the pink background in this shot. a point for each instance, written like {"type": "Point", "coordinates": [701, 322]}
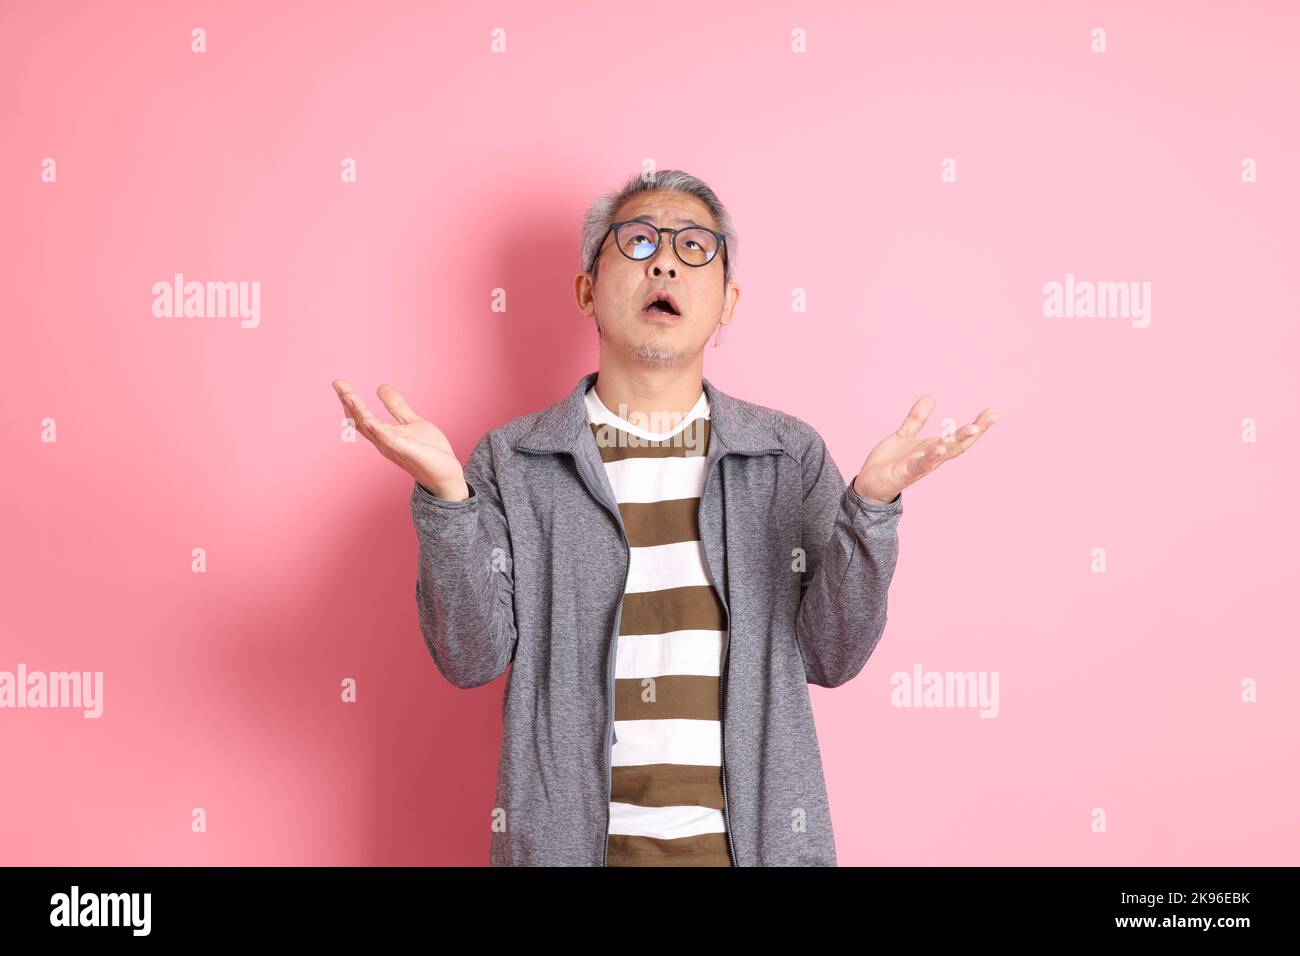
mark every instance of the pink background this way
{"type": "Point", "coordinates": [1118, 690]}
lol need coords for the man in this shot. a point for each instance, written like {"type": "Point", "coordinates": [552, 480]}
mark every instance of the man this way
{"type": "Point", "coordinates": [663, 567]}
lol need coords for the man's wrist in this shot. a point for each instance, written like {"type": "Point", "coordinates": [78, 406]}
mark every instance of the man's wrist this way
{"type": "Point", "coordinates": [881, 502]}
{"type": "Point", "coordinates": [458, 494]}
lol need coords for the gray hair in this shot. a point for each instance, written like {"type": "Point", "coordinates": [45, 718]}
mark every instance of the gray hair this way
{"type": "Point", "coordinates": [595, 224]}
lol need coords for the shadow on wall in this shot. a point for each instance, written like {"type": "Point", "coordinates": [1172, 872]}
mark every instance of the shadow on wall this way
{"type": "Point", "coordinates": [414, 761]}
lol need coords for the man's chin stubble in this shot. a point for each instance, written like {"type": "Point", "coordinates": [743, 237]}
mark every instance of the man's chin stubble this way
{"type": "Point", "coordinates": [652, 353]}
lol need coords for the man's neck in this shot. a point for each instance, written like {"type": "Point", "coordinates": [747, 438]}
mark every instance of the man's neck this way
{"type": "Point", "coordinates": [663, 395]}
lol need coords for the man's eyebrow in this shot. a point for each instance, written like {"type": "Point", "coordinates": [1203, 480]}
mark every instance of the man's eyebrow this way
{"type": "Point", "coordinates": [681, 222]}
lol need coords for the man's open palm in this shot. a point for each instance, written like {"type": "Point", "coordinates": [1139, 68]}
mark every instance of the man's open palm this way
{"type": "Point", "coordinates": [418, 446]}
{"type": "Point", "coordinates": [901, 458]}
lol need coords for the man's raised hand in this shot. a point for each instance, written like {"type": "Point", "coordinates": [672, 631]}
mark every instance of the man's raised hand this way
{"type": "Point", "coordinates": [418, 446]}
{"type": "Point", "coordinates": [901, 458]}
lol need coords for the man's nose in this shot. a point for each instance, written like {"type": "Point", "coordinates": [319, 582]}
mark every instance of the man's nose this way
{"type": "Point", "coordinates": [658, 260]}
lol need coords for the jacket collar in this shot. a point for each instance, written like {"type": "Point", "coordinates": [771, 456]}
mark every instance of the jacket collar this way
{"type": "Point", "coordinates": [563, 426]}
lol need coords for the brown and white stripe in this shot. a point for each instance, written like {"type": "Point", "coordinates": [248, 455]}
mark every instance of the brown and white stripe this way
{"type": "Point", "coordinates": [666, 798]}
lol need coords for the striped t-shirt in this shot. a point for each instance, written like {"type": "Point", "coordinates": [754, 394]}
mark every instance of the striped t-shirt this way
{"type": "Point", "coordinates": [666, 765]}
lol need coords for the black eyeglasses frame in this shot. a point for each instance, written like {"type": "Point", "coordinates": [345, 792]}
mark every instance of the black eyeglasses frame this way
{"type": "Point", "coordinates": [614, 227]}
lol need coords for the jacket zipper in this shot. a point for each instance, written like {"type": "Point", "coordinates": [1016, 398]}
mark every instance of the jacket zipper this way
{"type": "Point", "coordinates": [613, 652]}
{"type": "Point", "coordinates": [726, 656]}
{"type": "Point", "coordinates": [610, 738]}
{"type": "Point", "coordinates": [722, 680]}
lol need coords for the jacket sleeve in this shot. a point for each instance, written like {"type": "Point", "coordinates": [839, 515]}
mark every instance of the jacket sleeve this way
{"type": "Point", "coordinates": [851, 549]}
{"type": "Point", "coordinates": [465, 588]}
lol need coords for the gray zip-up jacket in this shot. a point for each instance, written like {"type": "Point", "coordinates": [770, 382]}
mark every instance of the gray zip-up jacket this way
{"type": "Point", "coordinates": [529, 571]}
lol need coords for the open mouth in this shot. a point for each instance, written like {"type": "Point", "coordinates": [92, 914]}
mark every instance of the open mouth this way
{"type": "Point", "coordinates": [661, 303]}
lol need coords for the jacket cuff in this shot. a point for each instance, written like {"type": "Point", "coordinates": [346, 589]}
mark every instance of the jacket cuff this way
{"type": "Point", "coordinates": [429, 509]}
{"type": "Point", "coordinates": [894, 507]}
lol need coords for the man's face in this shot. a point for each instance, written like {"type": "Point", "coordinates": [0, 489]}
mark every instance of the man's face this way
{"type": "Point", "coordinates": [623, 285]}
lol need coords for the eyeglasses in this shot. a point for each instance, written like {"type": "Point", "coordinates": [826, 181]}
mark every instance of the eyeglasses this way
{"type": "Point", "coordinates": [694, 245]}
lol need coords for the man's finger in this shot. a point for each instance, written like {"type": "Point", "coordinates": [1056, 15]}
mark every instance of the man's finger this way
{"type": "Point", "coordinates": [396, 404]}
{"type": "Point", "coordinates": [916, 417]}
{"type": "Point", "coordinates": [351, 400]}
{"type": "Point", "coordinates": [345, 395]}
{"type": "Point", "coordinates": [975, 429]}
{"type": "Point", "coordinates": [964, 437]}
{"type": "Point", "coordinates": [342, 388]}
{"type": "Point", "coordinates": [365, 423]}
